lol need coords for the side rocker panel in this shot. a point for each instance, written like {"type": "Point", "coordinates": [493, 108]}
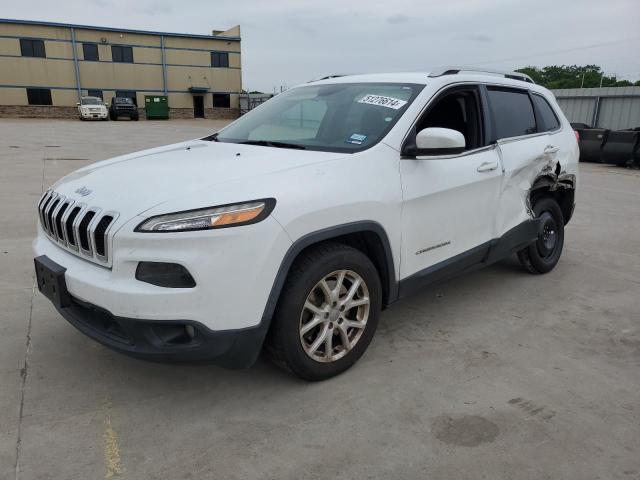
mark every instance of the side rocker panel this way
{"type": "Point", "coordinates": [478, 257]}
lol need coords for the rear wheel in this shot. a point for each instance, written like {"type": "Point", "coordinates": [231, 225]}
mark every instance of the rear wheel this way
{"type": "Point", "coordinates": [327, 313]}
{"type": "Point", "coordinates": [543, 255]}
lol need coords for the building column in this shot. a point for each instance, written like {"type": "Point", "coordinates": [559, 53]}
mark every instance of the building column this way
{"type": "Point", "coordinates": [75, 62]}
{"type": "Point", "coordinates": [164, 66]}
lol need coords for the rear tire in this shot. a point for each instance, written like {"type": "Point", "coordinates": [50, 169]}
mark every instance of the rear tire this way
{"type": "Point", "coordinates": [543, 255]}
{"type": "Point", "coordinates": [327, 313]}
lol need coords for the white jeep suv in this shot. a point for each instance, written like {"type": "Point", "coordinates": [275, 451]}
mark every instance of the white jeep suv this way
{"type": "Point", "coordinates": [294, 226]}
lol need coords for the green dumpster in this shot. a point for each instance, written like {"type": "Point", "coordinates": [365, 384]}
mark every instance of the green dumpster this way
{"type": "Point", "coordinates": [156, 107]}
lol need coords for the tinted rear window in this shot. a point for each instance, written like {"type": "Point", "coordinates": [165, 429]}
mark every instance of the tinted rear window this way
{"type": "Point", "coordinates": [548, 116]}
{"type": "Point", "coordinates": [512, 111]}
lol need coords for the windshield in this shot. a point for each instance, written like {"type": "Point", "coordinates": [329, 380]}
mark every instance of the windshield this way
{"type": "Point", "coordinates": [339, 117]}
{"type": "Point", "coordinates": [91, 101]}
{"type": "Point", "coordinates": [123, 100]}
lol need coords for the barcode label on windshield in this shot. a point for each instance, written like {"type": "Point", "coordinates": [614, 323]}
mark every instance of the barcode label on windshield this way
{"type": "Point", "coordinates": [381, 101]}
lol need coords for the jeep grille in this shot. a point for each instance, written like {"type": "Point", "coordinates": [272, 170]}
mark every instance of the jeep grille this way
{"type": "Point", "coordinates": [79, 228]}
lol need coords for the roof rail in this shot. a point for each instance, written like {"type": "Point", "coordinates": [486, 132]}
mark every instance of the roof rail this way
{"type": "Point", "coordinates": [456, 70]}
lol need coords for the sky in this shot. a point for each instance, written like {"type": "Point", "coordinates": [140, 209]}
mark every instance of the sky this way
{"type": "Point", "coordinates": [286, 42]}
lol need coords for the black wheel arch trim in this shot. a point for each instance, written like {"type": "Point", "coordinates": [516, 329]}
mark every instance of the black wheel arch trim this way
{"type": "Point", "coordinates": [323, 235]}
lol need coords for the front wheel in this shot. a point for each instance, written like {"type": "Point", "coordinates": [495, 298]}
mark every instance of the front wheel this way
{"type": "Point", "coordinates": [542, 255]}
{"type": "Point", "coordinates": [327, 313]}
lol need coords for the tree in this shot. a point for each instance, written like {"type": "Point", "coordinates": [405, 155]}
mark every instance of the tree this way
{"type": "Point", "coordinates": [573, 76]}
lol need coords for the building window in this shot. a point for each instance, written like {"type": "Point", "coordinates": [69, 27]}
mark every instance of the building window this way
{"type": "Point", "coordinates": [32, 48]}
{"type": "Point", "coordinates": [220, 59]}
{"type": "Point", "coordinates": [95, 93]}
{"type": "Point", "coordinates": [121, 54]}
{"type": "Point", "coordinates": [39, 96]}
{"type": "Point", "coordinates": [90, 52]}
{"type": "Point", "coordinates": [128, 94]}
{"type": "Point", "coordinates": [221, 100]}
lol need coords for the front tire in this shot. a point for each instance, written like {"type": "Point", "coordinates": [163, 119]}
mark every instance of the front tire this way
{"type": "Point", "coordinates": [327, 313]}
{"type": "Point", "coordinates": [543, 255]}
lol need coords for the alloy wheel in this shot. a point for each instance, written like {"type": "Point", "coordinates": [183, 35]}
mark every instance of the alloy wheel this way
{"type": "Point", "coordinates": [334, 316]}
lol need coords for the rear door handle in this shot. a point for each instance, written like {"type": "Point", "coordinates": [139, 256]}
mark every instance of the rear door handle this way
{"type": "Point", "coordinates": [487, 166]}
{"type": "Point", "coordinates": [550, 150]}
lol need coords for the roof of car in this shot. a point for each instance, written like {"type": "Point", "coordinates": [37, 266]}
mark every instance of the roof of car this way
{"type": "Point", "coordinates": [423, 78]}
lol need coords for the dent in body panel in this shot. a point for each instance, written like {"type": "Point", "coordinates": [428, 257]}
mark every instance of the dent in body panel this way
{"type": "Point", "coordinates": [521, 178]}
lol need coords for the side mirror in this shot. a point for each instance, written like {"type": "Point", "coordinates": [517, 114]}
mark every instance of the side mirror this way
{"type": "Point", "coordinates": [106, 104]}
{"type": "Point", "coordinates": [78, 103]}
{"type": "Point", "coordinates": [436, 141]}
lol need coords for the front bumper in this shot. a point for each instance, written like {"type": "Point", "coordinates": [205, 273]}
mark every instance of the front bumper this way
{"type": "Point", "coordinates": [166, 341]}
{"type": "Point", "coordinates": [173, 341]}
{"type": "Point", "coordinates": [234, 270]}
{"type": "Point", "coordinates": [96, 115]}
{"type": "Point", "coordinates": [128, 112]}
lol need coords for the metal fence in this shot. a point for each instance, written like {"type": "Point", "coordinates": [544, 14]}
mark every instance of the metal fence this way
{"type": "Point", "coordinates": [615, 108]}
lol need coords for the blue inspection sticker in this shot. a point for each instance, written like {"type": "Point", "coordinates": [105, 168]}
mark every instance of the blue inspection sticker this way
{"type": "Point", "coordinates": [356, 139]}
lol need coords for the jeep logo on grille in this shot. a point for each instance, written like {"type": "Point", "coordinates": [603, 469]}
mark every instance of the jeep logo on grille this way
{"type": "Point", "coordinates": [84, 191]}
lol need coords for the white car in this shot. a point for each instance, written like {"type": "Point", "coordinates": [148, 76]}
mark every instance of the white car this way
{"type": "Point", "coordinates": [92, 108]}
{"type": "Point", "coordinates": [294, 226]}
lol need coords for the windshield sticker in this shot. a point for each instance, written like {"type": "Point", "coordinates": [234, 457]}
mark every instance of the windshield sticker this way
{"type": "Point", "coordinates": [382, 101]}
{"type": "Point", "coordinates": [356, 139]}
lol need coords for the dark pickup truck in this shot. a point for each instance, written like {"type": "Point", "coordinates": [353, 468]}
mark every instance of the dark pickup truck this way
{"type": "Point", "coordinates": [123, 107]}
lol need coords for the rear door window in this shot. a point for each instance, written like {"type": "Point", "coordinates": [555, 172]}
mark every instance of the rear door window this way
{"type": "Point", "coordinates": [547, 115]}
{"type": "Point", "coordinates": [512, 112]}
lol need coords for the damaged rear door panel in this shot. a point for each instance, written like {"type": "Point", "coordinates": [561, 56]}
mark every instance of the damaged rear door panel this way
{"type": "Point", "coordinates": [538, 152]}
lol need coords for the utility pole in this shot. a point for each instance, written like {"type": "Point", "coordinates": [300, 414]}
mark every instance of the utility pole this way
{"type": "Point", "coordinates": [601, 78]}
{"type": "Point", "coordinates": [582, 84]}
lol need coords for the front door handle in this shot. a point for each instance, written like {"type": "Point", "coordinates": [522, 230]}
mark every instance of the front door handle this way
{"type": "Point", "coordinates": [487, 166]}
{"type": "Point", "coordinates": [550, 150]}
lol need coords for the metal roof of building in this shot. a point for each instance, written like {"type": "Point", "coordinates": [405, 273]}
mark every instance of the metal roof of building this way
{"type": "Point", "coordinates": [597, 92]}
{"type": "Point", "coordinates": [119, 30]}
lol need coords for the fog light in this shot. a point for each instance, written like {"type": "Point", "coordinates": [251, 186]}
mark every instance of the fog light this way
{"type": "Point", "coordinates": [174, 334]}
{"type": "Point", "coordinates": [169, 275]}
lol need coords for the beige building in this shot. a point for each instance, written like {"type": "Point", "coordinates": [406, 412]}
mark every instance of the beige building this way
{"type": "Point", "coordinates": [45, 67]}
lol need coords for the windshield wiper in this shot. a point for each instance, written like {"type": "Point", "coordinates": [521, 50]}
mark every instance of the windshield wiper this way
{"type": "Point", "coordinates": [211, 138]}
{"type": "Point", "coordinates": [269, 143]}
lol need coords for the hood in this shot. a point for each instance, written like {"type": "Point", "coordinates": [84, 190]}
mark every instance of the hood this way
{"type": "Point", "coordinates": [132, 184]}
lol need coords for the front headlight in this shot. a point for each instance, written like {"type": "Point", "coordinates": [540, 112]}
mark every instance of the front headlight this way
{"type": "Point", "coordinates": [222, 216]}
